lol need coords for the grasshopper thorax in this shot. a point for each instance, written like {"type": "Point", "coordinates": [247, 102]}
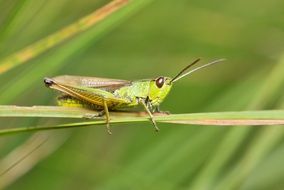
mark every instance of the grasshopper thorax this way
{"type": "Point", "coordinates": [159, 89]}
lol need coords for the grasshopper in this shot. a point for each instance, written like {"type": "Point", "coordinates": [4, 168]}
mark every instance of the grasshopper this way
{"type": "Point", "coordinates": [104, 94]}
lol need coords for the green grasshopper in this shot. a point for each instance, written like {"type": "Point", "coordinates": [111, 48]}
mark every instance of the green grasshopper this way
{"type": "Point", "coordinates": [104, 94]}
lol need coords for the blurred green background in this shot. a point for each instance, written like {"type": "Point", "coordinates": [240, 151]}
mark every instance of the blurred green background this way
{"type": "Point", "coordinates": [146, 39]}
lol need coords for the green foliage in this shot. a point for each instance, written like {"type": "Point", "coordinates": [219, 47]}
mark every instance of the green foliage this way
{"type": "Point", "coordinates": [145, 39]}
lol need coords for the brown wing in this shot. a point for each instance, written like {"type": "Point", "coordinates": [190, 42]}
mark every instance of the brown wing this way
{"type": "Point", "coordinates": [92, 82]}
{"type": "Point", "coordinates": [94, 96]}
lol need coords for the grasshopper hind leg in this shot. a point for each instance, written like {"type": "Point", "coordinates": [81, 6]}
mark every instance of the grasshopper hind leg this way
{"type": "Point", "coordinates": [107, 117]}
{"type": "Point", "coordinates": [101, 114]}
{"type": "Point", "coordinates": [105, 113]}
{"type": "Point", "coordinates": [69, 101]}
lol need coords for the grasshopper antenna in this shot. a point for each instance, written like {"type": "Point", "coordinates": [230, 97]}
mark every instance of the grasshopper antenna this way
{"type": "Point", "coordinates": [182, 71]}
{"type": "Point", "coordinates": [181, 74]}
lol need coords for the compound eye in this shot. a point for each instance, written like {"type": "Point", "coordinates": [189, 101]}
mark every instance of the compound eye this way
{"type": "Point", "coordinates": [160, 82]}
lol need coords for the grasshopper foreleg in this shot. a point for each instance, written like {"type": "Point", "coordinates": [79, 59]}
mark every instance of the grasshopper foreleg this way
{"type": "Point", "coordinates": [154, 109]}
{"type": "Point", "coordinates": [141, 101]}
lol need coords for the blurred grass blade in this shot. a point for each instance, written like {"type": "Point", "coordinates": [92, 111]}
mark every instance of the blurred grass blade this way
{"type": "Point", "coordinates": [27, 155]}
{"type": "Point", "coordinates": [232, 141]}
{"type": "Point", "coordinates": [61, 55]}
{"type": "Point", "coordinates": [9, 19]}
{"type": "Point", "coordinates": [172, 119]}
{"type": "Point", "coordinates": [60, 36]}
{"type": "Point", "coordinates": [265, 140]}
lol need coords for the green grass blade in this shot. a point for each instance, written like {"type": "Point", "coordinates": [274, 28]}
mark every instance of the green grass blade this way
{"type": "Point", "coordinates": [69, 112]}
{"type": "Point", "coordinates": [269, 117]}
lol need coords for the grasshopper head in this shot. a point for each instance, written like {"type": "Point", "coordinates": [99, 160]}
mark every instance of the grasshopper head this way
{"type": "Point", "coordinates": [159, 89]}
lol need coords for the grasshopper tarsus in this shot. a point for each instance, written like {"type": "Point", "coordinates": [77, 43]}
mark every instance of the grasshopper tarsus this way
{"type": "Point", "coordinates": [157, 129]}
{"type": "Point", "coordinates": [154, 123]}
{"type": "Point", "coordinates": [93, 115]}
{"type": "Point", "coordinates": [88, 116]}
{"type": "Point", "coordinates": [108, 129]}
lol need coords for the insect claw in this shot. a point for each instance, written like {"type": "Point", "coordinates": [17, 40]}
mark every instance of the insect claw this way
{"type": "Point", "coordinates": [157, 129]}
{"type": "Point", "coordinates": [108, 129]}
{"type": "Point", "coordinates": [155, 125]}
